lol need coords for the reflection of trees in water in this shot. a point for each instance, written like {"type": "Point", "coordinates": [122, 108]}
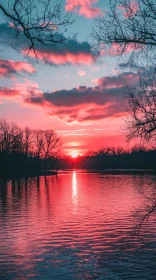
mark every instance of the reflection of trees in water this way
{"type": "Point", "coordinates": [25, 193]}
{"type": "Point", "coordinates": [147, 189]}
{"type": "Point", "coordinates": [16, 189]}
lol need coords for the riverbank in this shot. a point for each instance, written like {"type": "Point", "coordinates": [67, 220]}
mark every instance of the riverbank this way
{"type": "Point", "coordinates": [79, 170]}
{"type": "Point", "coordinates": [111, 171]}
{"type": "Point", "coordinates": [32, 173]}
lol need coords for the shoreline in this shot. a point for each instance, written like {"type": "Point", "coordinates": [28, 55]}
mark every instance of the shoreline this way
{"type": "Point", "coordinates": [61, 171]}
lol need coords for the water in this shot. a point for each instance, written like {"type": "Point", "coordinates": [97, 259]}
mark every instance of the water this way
{"type": "Point", "coordinates": [77, 225]}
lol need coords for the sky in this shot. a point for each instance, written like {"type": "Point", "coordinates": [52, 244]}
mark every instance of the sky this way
{"type": "Point", "coordinates": [74, 92]}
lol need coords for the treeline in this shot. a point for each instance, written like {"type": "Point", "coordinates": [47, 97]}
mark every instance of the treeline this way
{"type": "Point", "coordinates": [113, 158]}
{"type": "Point", "coordinates": [24, 151]}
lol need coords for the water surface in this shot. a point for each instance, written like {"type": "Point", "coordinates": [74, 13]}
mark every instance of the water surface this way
{"type": "Point", "coordinates": [77, 225]}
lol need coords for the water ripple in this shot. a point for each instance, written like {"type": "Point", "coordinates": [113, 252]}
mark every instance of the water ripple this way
{"type": "Point", "coordinates": [76, 226]}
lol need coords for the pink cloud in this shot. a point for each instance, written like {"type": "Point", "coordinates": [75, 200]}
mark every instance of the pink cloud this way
{"type": "Point", "coordinates": [86, 103]}
{"type": "Point", "coordinates": [82, 73]}
{"type": "Point", "coordinates": [130, 10]}
{"type": "Point", "coordinates": [51, 25]}
{"type": "Point", "coordinates": [89, 113]}
{"type": "Point", "coordinates": [6, 92]}
{"type": "Point", "coordinates": [64, 57]}
{"type": "Point", "coordinates": [79, 104]}
{"type": "Point", "coordinates": [117, 49]}
{"type": "Point", "coordinates": [10, 67]}
{"type": "Point", "coordinates": [118, 81]}
{"type": "Point", "coordinates": [20, 90]}
{"type": "Point", "coordinates": [83, 7]}
{"type": "Point", "coordinates": [27, 88]}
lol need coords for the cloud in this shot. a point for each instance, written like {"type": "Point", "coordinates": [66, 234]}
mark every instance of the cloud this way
{"type": "Point", "coordinates": [20, 90]}
{"type": "Point", "coordinates": [130, 10]}
{"type": "Point", "coordinates": [8, 37]}
{"type": "Point", "coordinates": [83, 8]}
{"type": "Point", "coordinates": [81, 73]}
{"type": "Point", "coordinates": [117, 49]}
{"type": "Point", "coordinates": [86, 103]}
{"type": "Point", "coordinates": [81, 104]}
{"type": "Point", "coordinates": [51, 57]}
{"type": "Point", "coordinates": [71, 52]}
{"type": "Point", "coordinates": [116, 81]}
{"type": "Point", "coordinates": [6, 92]}
{"type": "Point", "coordinates": [10, 67]}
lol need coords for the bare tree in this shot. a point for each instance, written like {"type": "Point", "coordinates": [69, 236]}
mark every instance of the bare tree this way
{"type": "Point", "coordinates": [10, 137]}
{"type": "Point", "coordinates": [27, 140]}
{"type": "Point", "coordinates": [141, 104]}
{"type": "Point", "coordinates": [4, 136]}
{"type": "Point", "coordinates": [127, 26]}
{"type": "Point", "coordinates": [38, 145]}
{"type": "Point", "coordinates": [23, 150]}
{"type": "Point", "coordinates": [40, 22]}
{"type": "Point", "coordinates": [51, 143]}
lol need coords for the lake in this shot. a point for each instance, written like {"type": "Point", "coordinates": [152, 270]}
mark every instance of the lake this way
{"type": "Point", "coordinates": [77, 225]}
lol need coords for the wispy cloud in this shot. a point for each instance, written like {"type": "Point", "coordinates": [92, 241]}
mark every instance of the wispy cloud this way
{"type": "Point", "coordinates": [10, 67]}
{"type": "Point", "coordinates": [83, 8]}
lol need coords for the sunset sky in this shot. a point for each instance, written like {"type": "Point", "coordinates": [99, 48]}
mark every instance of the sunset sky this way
{"type": "Point", "coordinates": [73, 91]}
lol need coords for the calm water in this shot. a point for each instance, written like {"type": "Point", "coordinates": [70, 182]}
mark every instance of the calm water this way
{"type": "Point", "coordinates": [77, 226]}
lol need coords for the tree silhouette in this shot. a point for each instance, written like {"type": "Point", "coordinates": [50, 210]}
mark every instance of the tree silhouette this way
{"type": "Point", "coordinates": [51, 143]}
{"type": "Point", "coordinates": [24, 150]}
{"type": "Point", "coordinates": [141, 104]}
{"type": "Point", "coordinates": [128, 26]}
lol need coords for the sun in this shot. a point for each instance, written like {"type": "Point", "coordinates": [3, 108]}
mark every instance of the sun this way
{"type": "Point", "coordinates": [74, 154]}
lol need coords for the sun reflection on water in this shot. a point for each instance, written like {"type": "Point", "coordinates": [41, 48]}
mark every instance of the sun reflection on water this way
{"type": "Point", "coordinates": [74, 189]}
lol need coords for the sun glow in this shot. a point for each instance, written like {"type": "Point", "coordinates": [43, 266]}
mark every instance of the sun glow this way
{"type": "Point", "coordinates": [74, 154]}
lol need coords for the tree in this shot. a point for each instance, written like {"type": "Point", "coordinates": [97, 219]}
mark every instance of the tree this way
{"type": "Point", "coordinates": [51, 143]}
{"type": "Point", "coordinates": [26, 150]}
{"type": "Point", "coordinates": [46, 146]}
{"type": "Point", "coordinates": [10, 138]}
{"type": "Point", "coordinates": [141, 104]}
{"type": "Point", "coordinates": [128, 26]}
{"type": "Point", "coordinates": [27, 140]}
{"type": "Point", "coordinates": [40, 22]}
{"type": "Point", "coordinates": [38, 145]}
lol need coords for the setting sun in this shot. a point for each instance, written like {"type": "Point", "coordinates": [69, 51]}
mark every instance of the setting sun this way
{"type": "Point", "coordinates": [74, 154]}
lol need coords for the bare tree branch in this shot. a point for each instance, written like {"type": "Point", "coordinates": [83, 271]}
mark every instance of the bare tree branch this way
{"type": "Point", "coordinates": [127, 25]}
{"type": "Point", "coordinates": [40, 22]}
{"type": "Point", "coordinates": [141, 104]}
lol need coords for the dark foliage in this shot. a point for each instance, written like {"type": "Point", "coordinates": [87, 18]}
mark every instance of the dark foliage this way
{"type": "Point", "coordinates": [111, 158]}
{"type": "Point", "coordinates": [25, 151]}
